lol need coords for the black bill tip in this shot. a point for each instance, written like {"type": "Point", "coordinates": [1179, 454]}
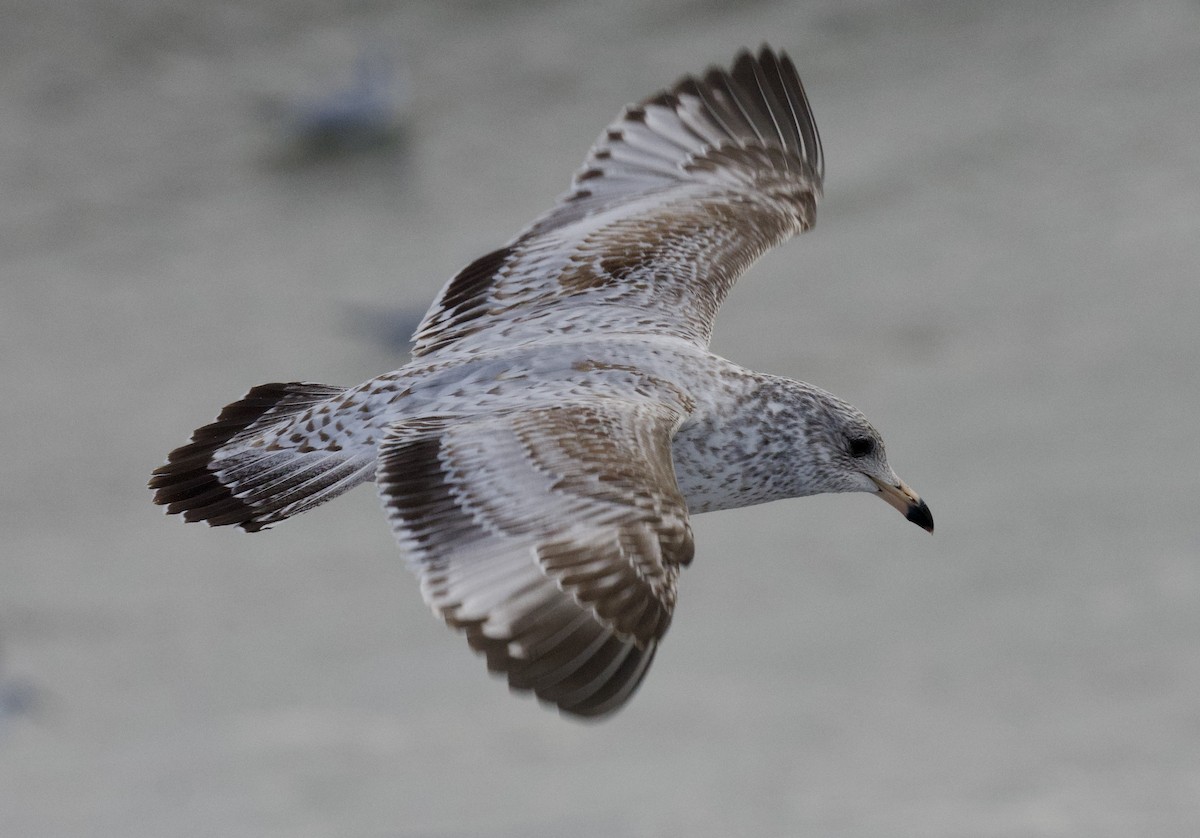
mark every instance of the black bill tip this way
{"type": "Point", "coordinates": [920, 515]}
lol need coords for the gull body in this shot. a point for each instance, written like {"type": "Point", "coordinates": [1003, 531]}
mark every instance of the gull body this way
{"type": "Point", "coordinates": [562, 417]}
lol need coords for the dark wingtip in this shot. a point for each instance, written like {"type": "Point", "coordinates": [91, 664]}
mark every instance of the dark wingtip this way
{"type": "Point", "coordinates": [186, 485]}
{"type": "Point", "coordinates": [920, 515]}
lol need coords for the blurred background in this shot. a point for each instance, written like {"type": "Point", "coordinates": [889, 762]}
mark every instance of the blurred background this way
{"type": "Point", "coordinates": [197, 197]}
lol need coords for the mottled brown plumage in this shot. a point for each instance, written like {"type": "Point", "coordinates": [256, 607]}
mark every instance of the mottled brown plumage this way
{"type": "Point", "coordinates": [561, 418]}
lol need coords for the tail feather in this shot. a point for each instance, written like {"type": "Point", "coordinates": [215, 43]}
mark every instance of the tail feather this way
{"type": "Point", "coordinates": [242, 470]}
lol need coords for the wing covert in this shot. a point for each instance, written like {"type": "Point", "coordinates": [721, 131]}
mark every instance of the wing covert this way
{"type": "Point", "coordinates": [676, 199]}
{"type": "Point", "coordinates": [551, 536]}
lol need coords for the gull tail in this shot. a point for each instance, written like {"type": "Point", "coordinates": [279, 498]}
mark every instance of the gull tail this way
{"type": "Point", "coordinates": [275, 453]}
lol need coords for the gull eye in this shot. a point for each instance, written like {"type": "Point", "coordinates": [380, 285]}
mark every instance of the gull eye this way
{"type": "Point", "coordinates": [861, 446]}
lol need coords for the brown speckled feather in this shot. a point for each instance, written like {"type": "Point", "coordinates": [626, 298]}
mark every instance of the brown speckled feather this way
{"type": "Point", "coordinates": [675, 200]}
{"type": "Point", "coordinates": [552, 536]}
{"type": "Point", "coordinates": [561, 416]}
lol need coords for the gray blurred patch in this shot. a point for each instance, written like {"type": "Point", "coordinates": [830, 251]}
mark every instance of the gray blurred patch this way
{"type": "Point", "coordinates": [391, 328]}
{"type": "Point", "coordinates": [366, 117]}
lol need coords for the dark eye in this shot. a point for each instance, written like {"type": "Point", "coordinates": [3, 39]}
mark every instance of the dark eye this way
{"type": "Point", "coordinates": [862, 446]}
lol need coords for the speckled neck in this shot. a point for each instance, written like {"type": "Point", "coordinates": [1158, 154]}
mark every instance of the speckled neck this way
{"type": "Point", "coordinates": [746, 443]}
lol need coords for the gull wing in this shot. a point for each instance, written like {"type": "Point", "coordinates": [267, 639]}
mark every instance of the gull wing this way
{"type": "Point", "coordinates": [677, 198]}
{"type": "Point", "coordinates": [552, 536]}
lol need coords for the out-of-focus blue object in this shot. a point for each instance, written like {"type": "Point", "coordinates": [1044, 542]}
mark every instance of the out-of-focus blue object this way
{"type": "Point", "coordinates": [391, 328]}
{"type": "Point", "coordinates": [368, 116]}
{"type": "Point", "coordinates": [17, 698]}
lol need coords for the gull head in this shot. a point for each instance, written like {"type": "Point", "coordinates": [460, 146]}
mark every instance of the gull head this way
{"type": "Point", "coordinates": [847, 454]}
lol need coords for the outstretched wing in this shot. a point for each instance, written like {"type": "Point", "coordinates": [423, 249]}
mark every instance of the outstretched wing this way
{"type": "Point", "coordinates": [551, 536]}
{"type": "Point", "coordinates": [675, 201]}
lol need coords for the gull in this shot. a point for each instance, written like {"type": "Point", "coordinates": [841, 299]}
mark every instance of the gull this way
{"type": "Point", "coordinates": [561, 418]}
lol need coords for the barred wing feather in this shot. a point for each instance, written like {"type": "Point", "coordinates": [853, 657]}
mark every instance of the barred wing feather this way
{"type": "Point", "coordinates": [676, 199]}
{"type": "Point", "coordinates": [551, 536]}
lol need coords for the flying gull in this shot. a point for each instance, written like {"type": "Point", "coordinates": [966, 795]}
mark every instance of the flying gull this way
{"type": "Point", "coordinates": [562, 417]}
